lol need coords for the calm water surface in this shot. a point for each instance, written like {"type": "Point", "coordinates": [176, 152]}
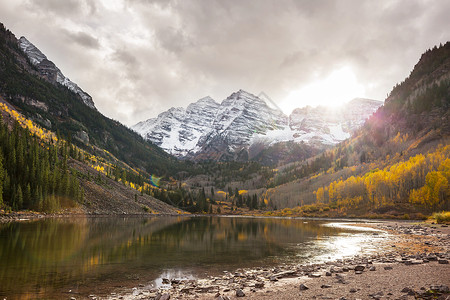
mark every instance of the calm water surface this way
{"type": "Point", "coordinates": [61, 258]}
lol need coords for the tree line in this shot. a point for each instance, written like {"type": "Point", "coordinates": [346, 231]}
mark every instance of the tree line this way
{"type": "Point", "coordinates": [34, 173]}
{"type": "Point", "coordinates": [422, 180]}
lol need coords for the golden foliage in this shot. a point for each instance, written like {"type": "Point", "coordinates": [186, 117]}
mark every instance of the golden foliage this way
{"type": "Point", "coordinates": [422, 180]}
{"type": "Point", "coordinates": [41, 133]}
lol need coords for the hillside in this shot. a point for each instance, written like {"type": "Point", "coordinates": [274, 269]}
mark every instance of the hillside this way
{"type": "Point", "coordinates": [37, 93]}
{"type": "Point", "coordinates": [59, 154]}
{"type": "Point", "coordinates": [44, 173]}
{"type": "Point", "coordinates": [397, 163]}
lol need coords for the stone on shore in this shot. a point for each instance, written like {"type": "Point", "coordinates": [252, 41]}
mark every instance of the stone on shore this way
{"type": "Point", "coordinates": [440, 288]}
{"type": "Point", "coordinates": [359, 268]}
{"type": "Point", "coordinates": [164, 297]}
{"type": "Point", "coordinates": [303, 287]}
{"type": "Point", "coordinates": [259, 285]}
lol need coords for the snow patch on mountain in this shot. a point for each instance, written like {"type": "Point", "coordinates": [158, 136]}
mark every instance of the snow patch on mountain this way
{"type": "Point", "coordinates": [52, 72]}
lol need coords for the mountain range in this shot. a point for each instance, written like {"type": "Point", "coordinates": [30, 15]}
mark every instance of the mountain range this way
{"type": "Point", "coordinates": [327, 164]}
{"type": "Point", "coordinates": [246, 123]}
{"type": "Point", "coordinates": [239, 128]}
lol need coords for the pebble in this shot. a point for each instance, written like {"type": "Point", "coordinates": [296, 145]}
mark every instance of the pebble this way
{"type": "Point", "coordinates": [440, 288]}
{"type": "Point", "coordinates": [240, 293]}
{"type": "Point", "coordinates": [303, 287]}
{"type": "Point", "coordinates": [259, 285]}
{"type": "Point", "coordinates": [406, 290]}
{"type": "Point", "coordinates": [359, 268]}
{"type": "Point", "coordinates": [341, 281]}
{"type": "Point", "coordinates": [165, 297]}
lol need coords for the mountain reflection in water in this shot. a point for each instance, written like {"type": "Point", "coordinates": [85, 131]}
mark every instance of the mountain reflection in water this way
{"type": "Point", "coordinates": [49, 258]}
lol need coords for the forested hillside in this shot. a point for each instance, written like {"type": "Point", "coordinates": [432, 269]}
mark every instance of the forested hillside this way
{"type": "Point", "coordinates": [398, 162]}
{"type": "Point", "coordinates": [35, 175]}
{"type": "Point", "coordinates": [58, 109]}
{"type": "Point", "coordinates": [42, 172]}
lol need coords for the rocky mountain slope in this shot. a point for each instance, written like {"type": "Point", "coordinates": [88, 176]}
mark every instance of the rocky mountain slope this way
{"type": "Point", "coordinates": [84, 162]}
{"type": "Point", "coordinates": [209, 130]}
{"type": "Point", "coordinates": [39, 90]}
{"type": "Point", "coordinates": [49, 70]}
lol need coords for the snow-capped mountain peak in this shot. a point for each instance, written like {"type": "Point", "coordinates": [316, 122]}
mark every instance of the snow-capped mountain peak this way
{"type": "Point", "coordinates": [49, 70]}
{"type": "Point", "coordinates": [34, 54]}
{"type": "Point", "coordinates": [207, 129]}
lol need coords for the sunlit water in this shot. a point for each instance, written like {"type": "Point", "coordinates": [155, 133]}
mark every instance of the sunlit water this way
{"type": "Point", "coordinates": [61, 258]}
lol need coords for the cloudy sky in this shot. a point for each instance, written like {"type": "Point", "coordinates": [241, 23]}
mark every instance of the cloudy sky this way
{"type": "Point", "coordinates": [138, 58]}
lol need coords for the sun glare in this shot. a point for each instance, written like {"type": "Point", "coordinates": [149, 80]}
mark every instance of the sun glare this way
{"type": "Point", "coordinates": [339, 87]}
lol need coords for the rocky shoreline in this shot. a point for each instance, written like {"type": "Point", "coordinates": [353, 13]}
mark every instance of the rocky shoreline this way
{"type": "Point", "coordinates": [412, 263]}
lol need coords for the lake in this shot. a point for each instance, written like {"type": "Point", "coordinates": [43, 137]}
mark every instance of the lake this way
{"type": "Point", "coordinates": [75, 257]}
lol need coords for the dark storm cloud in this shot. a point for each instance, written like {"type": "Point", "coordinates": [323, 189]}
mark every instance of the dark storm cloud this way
{"type": "Point", "coordinates": [150, 55]}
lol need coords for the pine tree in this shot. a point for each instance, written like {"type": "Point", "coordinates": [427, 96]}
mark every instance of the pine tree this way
{"type": "Point", "coordinates": [27, 196]}
{"type": "Point", "coordinates": [2, 175]}
{"type": "Point", "coordinates": [19, 197]}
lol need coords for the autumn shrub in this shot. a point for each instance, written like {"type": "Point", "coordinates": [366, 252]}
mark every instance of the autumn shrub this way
{"type": "Point", "coordinates": [442, 217]}
{"type": "Point", "coordinates": [419, 216]}
{"type": "Point", "coordinates": [310, 208]}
